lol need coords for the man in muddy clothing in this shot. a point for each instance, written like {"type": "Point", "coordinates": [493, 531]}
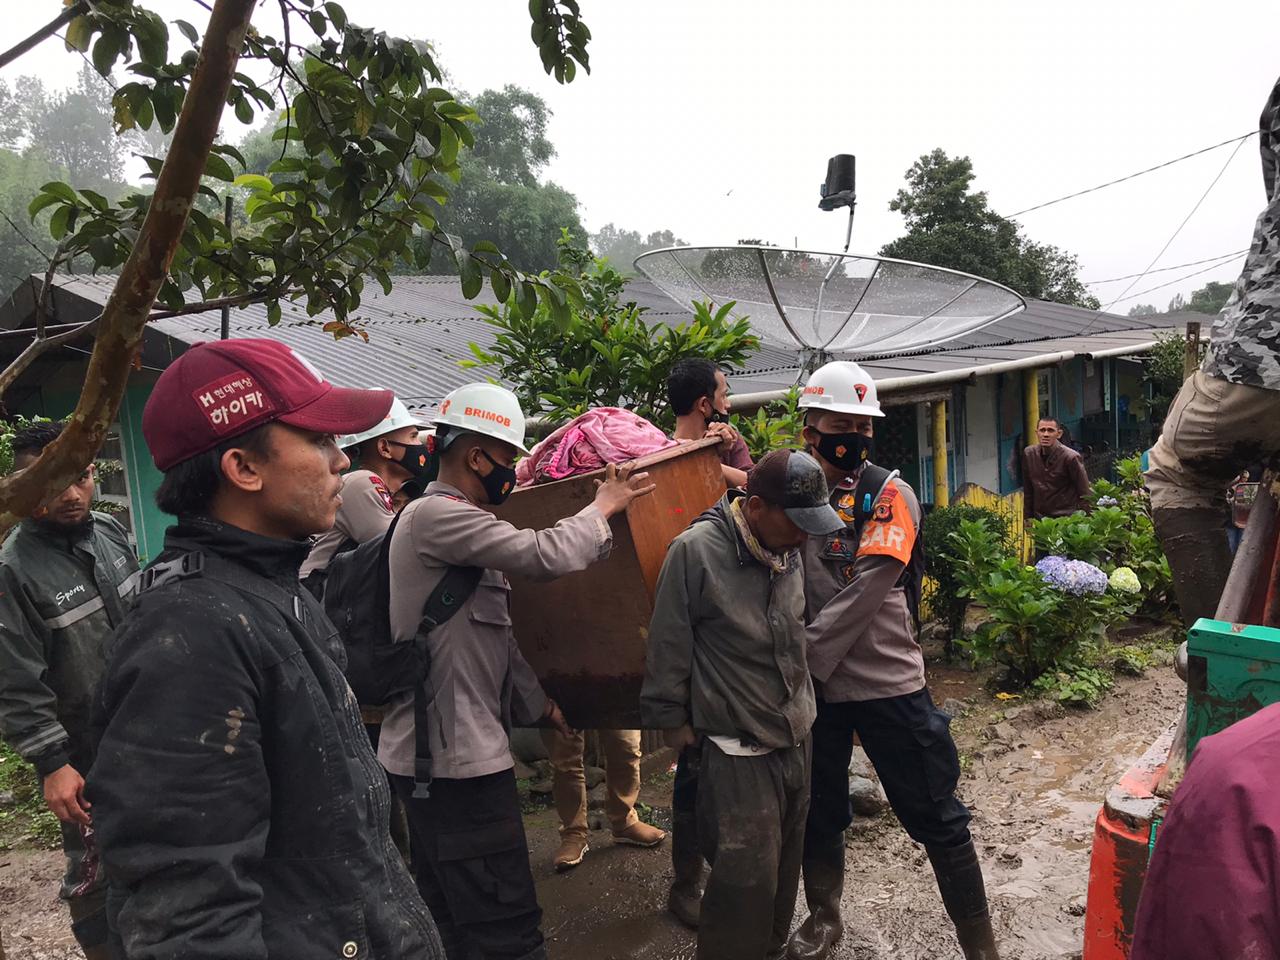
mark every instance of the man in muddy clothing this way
{"type": "Point", "coordinates": [67, 576]}
{"type": "Point", "coordinates": [726, 667]}
{"type": "Point", "coordinates": [1228, 412]}
{"type": "Point", "coordinates": [239, 807]}
{"type": "Point", "coordinates": [454, 772]}
{"type": "Point", "coordinates": [861, 593]}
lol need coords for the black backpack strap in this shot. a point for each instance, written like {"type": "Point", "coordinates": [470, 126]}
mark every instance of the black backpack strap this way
{"type": "Point", "coordinates": [179, 568]}
{"type": "Point", "coordinates": [871, 484]}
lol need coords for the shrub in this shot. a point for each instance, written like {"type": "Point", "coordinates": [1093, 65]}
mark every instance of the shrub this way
{"type": "Point", "coordinates": [945, 567]}
{"type": "Point", "coordinates": [1118, 533]}
{"type": "Point", "coordinates": [607, 355]}
{"type": "Point", "coordinates": [774, 426]}
{"type": "Point", "coordinates": [1042, 619]}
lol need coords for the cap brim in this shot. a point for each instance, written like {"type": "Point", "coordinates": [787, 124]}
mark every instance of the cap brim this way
{"type": "Point", "coordinates": [342, 411]}
{"type": "Point", "coordinates": [816, 521]}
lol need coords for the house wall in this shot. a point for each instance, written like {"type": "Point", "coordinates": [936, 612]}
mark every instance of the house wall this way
{"type": "Point", "coordinates": [981, 454]}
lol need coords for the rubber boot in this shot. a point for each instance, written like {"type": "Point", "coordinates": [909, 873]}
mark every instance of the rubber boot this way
{"type": "Point", "coordinates": [823, 871]}
{"type": "Point", "coordinates": [1199, 558]}
{"type": "Point", "coordinates": [685, 900]}
{"type": "Point", "coordinates": [965, 898]}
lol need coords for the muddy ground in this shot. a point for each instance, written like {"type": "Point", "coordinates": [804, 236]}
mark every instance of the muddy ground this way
{"type": "Point", "coordinates": [1034, 777]}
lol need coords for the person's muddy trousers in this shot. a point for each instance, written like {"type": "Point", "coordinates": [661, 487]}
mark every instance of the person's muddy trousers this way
{"type": "Point", "coordinates": [751, 816]}
{"type": "Point", "coordinates": [472, 862]}
{"type": "Point", "coordinates": [908, 741]}
{"type": "Point", "coordinates": [85, 891]}
{"type": "Point", "coordinates": [1213, 430]}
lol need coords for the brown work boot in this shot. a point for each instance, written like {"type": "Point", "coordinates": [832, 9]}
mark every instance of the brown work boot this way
{"type": "Point", "coordinates": [570, 854]}
{"type": "Point", "coordinates": [639, 834]}
{"type": "Point", "coordinates": [823, 886]}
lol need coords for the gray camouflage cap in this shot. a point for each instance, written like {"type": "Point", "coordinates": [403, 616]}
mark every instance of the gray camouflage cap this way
{"type": "Point", "coordinates": [793, 480]}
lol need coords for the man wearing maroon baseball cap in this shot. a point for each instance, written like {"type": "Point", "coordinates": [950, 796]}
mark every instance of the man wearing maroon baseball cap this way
{"type": "Point", "coordinates": [238, 806]}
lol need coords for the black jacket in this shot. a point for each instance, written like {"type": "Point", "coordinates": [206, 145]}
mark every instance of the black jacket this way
{"type": "Point", "coordinates": [238, 806]}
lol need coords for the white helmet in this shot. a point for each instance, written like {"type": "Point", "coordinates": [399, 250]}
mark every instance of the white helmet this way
{"type": "Point", "coordinates": [487, 409]}
{"type": "Point", "coordinates": [397, 417]}
{"type": "Point", "coordinates": [841, 386]}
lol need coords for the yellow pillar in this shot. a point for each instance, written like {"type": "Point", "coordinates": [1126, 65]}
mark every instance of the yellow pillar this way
{"type": "Point", "coordinates": [941, 488]}
{"type": "Point", "coordinates": [1031, 405]}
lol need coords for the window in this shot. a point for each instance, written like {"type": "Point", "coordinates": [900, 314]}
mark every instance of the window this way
{"type": "Point", "coordinates": [112, 482]}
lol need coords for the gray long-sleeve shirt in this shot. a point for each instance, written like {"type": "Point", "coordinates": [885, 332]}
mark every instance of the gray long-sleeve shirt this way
{"type": "Point", "coordinates": [861, 635]}
{"type": "Point", "coordinates": [726, 641]}
{"type": "Point", "coordinates": [477, 672]}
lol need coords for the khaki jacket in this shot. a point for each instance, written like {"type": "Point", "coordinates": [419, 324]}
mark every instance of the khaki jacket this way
{"type": "Point", "coordinates": [479, 683]}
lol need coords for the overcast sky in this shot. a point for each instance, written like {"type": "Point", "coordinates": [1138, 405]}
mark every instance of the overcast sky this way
{"type": "Point", "coordinates": [715, 118]}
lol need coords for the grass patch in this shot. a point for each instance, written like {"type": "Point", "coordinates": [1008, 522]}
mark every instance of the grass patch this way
{"type": "Point", "coordinates": [25, 821]}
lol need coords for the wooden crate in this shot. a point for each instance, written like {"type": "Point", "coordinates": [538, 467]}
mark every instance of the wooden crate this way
{"type": "Point", "coordinates": [585, 633]}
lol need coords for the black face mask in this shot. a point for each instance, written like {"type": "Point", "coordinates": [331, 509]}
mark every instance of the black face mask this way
{"type": "Point", "coordinates": [717, 417]}
{"type": "Point", "coordinates": [416, 458]}
{"type": "Point", "coordinates": [498, 482]}
{"type": "Point", "coordinates": [848, 451]}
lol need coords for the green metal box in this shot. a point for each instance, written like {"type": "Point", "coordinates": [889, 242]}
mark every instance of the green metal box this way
{"type": "Point", "coordinates": [1233, 670]}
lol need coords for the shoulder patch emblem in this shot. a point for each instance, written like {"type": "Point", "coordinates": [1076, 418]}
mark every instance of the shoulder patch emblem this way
{"type": "Point", "coordinates": [383, 492]}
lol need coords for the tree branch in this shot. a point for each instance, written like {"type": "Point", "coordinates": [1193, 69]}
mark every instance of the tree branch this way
{"type": "Point", "coordinates": [40, 346]}
{"type": "Point", "coordinates": [44, 33]}
{"type": "Point", "coordinates": [119, 332]}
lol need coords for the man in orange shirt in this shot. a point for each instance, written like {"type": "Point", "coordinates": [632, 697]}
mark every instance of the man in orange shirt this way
{"type": "Point", "coordinates": [862, 591]}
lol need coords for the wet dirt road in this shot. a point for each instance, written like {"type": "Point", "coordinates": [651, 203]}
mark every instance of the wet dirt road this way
{"type": "Point", "coordinates": [1035, 788]}
{"type": "Point", "coordinates": [1034, 781]}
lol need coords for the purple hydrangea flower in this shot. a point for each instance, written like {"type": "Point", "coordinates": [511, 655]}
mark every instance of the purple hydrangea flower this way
{"type": "Point", "coordinates": [1072, 576]}
{"type": "Point", "coordinates": [1108, 502]}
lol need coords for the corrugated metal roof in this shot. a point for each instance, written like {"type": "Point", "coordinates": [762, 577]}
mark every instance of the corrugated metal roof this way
{"type": "Point", "coordinates": [422, 329]}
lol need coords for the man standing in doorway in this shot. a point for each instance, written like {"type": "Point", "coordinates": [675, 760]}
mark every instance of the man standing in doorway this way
{"type": "Point", "coordinates": [67, 575]}
{"type": "Point", "coordinates": [862, 590]}
{"type": "Point", "coordinates": [1054, 480]}
{"type": "Point", "coordinates": [726, 669]}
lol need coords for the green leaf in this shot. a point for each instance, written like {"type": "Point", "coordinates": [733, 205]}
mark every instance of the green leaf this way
{"type": "Point", "coordinates": [62, 222]}
{"type": "Point", "coordinates": [244, 112]}
{"type": "Point", "coordinates": [188, 31]}
{"type": "Point", "coordinates": [318, 22]}
{"type": "Point", "coordinates": [218, 168]}
{"type": "Point", "coordinates": [98, 201]}
{"type": "Point", "coordinates": [105, 51]}
{"type": "Point", "coordinates": [472, 281]}
{"type": "Point", "coordinates": [79, 33]}
{"type": "Point", "coordinates": [228, 150]}
{"type": "Point", "coordinates": [273, 312]}
{"type": "Point", "coordinates": [337, 15]}
{"type": "Point", "coordinates": [253, 181]}
{"type": "Point", "coordinates": [41, 201]}
{"type": "Point", "coordinates": [59, 190]}
{"type": "Point", "coordinates": [501, 285]}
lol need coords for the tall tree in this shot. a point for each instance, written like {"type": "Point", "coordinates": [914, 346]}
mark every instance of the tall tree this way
{"type": "Point", "coordinates": [72, 129]}
{"type": "Point", "coordinates": [621, 247]}
{"type": "Point", "coordinates": [951, 225]}
{"type": "Point", "coordinates": [1143, 310]}
{"type": "Point", "coordinates": [1210, 298]}
{"type": "Point", "coordinates": [378, 136]}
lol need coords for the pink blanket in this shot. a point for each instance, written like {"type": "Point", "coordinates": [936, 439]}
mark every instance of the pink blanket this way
{"type": "Point", "coordinates": [587, 443]}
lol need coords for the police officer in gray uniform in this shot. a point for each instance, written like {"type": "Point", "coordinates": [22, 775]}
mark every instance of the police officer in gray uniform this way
{"type": "Point", "coordinates": [465, 826]}
{"type": "Point", "coordinates": [861, 597]}
{"type": "Point", "coordinates": [1228, 413]}
{"type": "Point", "coordinates": [66, 578]}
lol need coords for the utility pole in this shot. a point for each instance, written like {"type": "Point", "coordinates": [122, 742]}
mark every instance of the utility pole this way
{"type": "Point", "coordinates": [226, 310]}
{"type": "Point", "coordinates": [1191, 354]}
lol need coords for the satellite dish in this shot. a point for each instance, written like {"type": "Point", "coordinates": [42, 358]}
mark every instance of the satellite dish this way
{"type": "Point", "coordinates": [828, 303]}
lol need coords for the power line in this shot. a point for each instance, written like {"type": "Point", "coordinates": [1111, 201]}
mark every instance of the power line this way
{"type": "Point", "coordinates": [18, 230]}
{"type": "Point", "coordinates": [1213, 183]}
{"type": "Point", "coordinates": [1124, 293]}
{"type": "Point", "coordinates": [1170, 283]}
{"type": "Point", "coordinates": [1226, 257]}
{"type": "Point", "coordinates": [1112, 183]}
